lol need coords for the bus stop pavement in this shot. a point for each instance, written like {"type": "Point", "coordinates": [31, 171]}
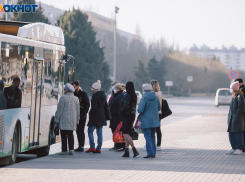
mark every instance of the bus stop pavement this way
{"type": "Point", "coordinates": [192, 150]}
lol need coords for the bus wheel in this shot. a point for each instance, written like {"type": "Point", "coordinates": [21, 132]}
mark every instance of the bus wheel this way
{"type": "Point", "coordinates": [15, 143]}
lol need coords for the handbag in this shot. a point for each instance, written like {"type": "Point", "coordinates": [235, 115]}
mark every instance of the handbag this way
{"type": "Point", "coordinates": [137, 126]}
{"type": "Point", "coordinates": [117, 135]}
{"type": "Point", "coordinates": [165, 109]}
{"type": "Point", "coordinates": [134, 135]}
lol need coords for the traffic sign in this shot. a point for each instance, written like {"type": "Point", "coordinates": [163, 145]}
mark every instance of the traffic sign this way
{"type": "Point", "coordinates": [189, 78]}
{"type": "Point", "coordinates": [233, 75]}
{"type": "Point", "coordinates": [169, 83]}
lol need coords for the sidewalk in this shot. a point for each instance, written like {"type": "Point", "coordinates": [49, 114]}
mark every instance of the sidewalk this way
{"type": "Point", "coordinates": [193, 150]}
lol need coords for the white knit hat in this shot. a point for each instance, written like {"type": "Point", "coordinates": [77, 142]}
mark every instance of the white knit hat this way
{"type": "Point", "coordinates": [146, 87]}
{"type": "Point", "coordinates": [69, 88]}
{"type": "Point", "coordinates": [235, 86]}
{"type": "Point", "coordinates": [96, 86]}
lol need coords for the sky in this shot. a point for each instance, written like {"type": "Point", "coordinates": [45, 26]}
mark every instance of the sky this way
{"type": "Point", "coordinates": [180, 22]}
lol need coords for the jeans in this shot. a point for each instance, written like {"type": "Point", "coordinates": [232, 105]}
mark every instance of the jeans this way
{"type": "Point", "coordinates": [159, 133]}
{"type": "Point", "coordinates": [91, 136]}
{"type": "Point", "coordinates": [149, 135]}
{"type": "Point", "coordinates": [80, 132]}
{"type": "Point", "coordinates": [64, 134]}
{"type": "Point", "coordinates": [236, 140]}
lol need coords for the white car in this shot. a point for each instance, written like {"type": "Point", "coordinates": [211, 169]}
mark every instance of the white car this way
{"type": "Point", "coordinates": [57, 88]}
{"type": "Point", "coordinates": [223, 97]}
{"type": "Point", "coordinates": [139, 96]}
{"type": "Point", "coordinates": [48, 86]}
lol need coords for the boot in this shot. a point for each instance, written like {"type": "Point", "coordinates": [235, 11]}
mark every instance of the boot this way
{"type": "Point", "coordinates": [126, 153]}
{"type": "Point", "coordinates": [135, 152]}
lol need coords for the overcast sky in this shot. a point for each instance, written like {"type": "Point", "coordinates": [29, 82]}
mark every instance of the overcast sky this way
{"type": "Point", "coordinates": [184, 22]}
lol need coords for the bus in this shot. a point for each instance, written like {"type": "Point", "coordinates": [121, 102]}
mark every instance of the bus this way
{"type": "Point", "coordinates": [32, 67]}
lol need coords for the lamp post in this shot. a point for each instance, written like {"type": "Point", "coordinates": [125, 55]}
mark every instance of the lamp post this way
{"type": "Point", "coordinates": [115, 34]}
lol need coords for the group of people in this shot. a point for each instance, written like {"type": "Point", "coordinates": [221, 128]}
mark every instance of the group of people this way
{"type": "Point", "coordinates": [73, 106]}
{"type": "Point", "coordinates": [236, 118]}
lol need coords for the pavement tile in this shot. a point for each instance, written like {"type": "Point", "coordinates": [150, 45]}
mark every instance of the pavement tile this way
{"type": "Point", "coordinates": [193, 150]}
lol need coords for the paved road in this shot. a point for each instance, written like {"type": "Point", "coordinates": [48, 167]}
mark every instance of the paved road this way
{"type": "Point", "coordinates": [194, 145]}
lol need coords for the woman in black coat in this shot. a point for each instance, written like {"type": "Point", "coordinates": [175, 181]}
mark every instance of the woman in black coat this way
{"type": "Point", "coordinates": [97, 117]}
{"type": "Point", "coordinates": [115, 113]}
{"type": "Point", "coordinates": [128, 111]}
{"type": "Point", "coordinates": [236, 120]}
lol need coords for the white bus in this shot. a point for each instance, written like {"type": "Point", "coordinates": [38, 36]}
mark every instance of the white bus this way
{"type": "Point", "coordinates": [32, 65]}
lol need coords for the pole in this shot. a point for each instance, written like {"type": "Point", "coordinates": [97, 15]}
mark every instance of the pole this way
{"type": "Point", "coordinates": [114, 58]}
{"type": "Point", "coordinates": [168, 90]}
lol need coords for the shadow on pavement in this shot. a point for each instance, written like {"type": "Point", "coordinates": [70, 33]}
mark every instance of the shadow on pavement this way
{"type": "Point", "coordinates": [178, 160]}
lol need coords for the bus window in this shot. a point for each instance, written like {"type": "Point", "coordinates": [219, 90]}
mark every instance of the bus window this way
{"type": "Point", "coordinates": [50, 77]}
{"type": "Point", "coordinates": [15, 71]}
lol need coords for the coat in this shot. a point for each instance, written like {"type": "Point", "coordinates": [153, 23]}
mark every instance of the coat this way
{"type": "Point", "coordinates": [115, 110]}
{"type": "Point", "coordinates": [84, 102]}
{"type": "Point", "coordinates": [97, 115]}
{"type": "Point", "coordinates": [235, 117]}
{"type": "Point", "coordinates": [148, 108]}
{"type": "Point", "coordinates": [127, 105]}
{"type": "Point", "coordinates": [2, 101]}
{"type": "Point", "coordinates": [68, 112]}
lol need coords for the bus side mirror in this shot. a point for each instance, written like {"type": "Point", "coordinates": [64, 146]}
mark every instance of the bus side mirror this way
{"type": "Point", "coordinates": [71, 74]}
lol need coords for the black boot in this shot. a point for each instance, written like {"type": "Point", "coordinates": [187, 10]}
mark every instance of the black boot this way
{"type": "Point", "coordinates": [126, 153]}
{"type": "Point", "coordinates": [135, 152]}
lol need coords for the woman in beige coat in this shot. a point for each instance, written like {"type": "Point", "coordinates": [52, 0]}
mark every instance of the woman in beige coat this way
{"type": "Point", "coordinates": [156, 89]}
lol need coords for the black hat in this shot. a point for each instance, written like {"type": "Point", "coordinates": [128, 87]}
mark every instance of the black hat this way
{"type": "Point", "coordinates": [75, 83]}
{"type": "Point", "coordinates": [239, 80]}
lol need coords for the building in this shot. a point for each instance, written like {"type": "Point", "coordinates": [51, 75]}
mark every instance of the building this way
{"type": "Point", "coordinates": [231, 58]}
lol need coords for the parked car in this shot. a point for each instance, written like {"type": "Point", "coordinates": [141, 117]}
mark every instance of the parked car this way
{"type": "Point", "coordinates": [48, 86]}
{"type": "Point", "coordinates": [57, 89]}
{"type": "Point", "coordinates": [223, 97]}
{"type": "Point", "coordinates": [139, 96]}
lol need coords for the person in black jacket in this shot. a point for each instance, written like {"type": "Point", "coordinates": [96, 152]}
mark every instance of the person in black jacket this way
{"type": "Point", "coordinates": [115, 113]}
{"type": "Point", "coordinates": [97, 117]}
{"type": "Point", "coordinates": [13, 94]}
{"type": "Point", "coordinates": [242, 88]}
{"type": "Point", "coordinates": [236, 120]}
{"type": "Point", "coordinates": [84, 107]}
{"type": "Point", "coordinates": [128, 111]}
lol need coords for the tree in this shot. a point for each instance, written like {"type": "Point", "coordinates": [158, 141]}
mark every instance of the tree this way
{"type": "Point", "coordinates": [157, 70]}
{"type": "Point", "coordinates": [30, 17]}
{"type": "Point", "coordinates": [80, 40]}
{"type": "Point", "coordinates": [141, 75]}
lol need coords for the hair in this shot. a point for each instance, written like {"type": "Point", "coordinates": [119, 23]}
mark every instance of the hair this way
{"type": "Point", "coordinates": [131, 91]}
{"type": "Point", "coordinates": [16, 79]}
{"type": "Point", "coordinates": [237, 92]}
{"type": "Point", "coordinates": [120, 86]}
{"type": "Point", "coordinates": [114, 83]}
{"type": "Point", "coordinates": [76, 83]}
{"type": "Point", "coordinates": [155, 85]}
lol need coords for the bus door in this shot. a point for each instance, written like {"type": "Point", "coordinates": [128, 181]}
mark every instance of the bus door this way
{"type": "Point", "coordinates": [37, 80]}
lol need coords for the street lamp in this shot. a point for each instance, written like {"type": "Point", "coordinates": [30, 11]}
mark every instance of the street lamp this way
{"type": "Point", "coordinates": [114, 58]}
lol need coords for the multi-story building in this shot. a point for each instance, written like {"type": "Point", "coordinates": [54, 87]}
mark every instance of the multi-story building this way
{"type": "Point", "coordinates": [231, 58]}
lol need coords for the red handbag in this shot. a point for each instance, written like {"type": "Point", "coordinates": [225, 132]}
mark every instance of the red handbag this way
{"type": "Point", "coordinates": [117, 135]}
